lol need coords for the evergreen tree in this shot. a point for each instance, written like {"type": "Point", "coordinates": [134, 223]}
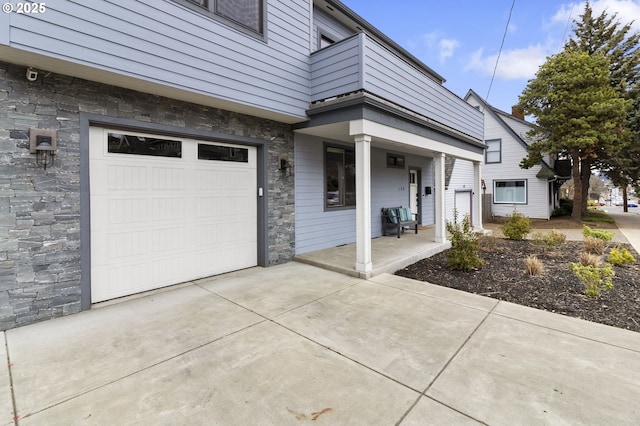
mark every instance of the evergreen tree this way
{"type": "Point", "coordinates": [578, 113]}
{"type": "Point", "coordinates": [604, 34]}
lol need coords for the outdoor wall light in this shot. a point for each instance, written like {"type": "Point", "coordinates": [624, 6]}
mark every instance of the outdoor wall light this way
{"type": "Point", "coordinates": [285, 166]}
{"type": "Point", "coordinates": [43, 144]}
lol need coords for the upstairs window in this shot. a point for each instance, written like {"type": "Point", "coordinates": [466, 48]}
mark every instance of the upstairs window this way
{"type": "Point", "coordinates": [493, 152]}
{"type": "Point", "coordinates": [247, 13]}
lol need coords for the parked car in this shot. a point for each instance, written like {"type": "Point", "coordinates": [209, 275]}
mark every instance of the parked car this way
{"type": "Point", "coordinates": [632, 204]}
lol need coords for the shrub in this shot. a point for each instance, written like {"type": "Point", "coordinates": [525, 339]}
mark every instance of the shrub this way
{"type": "Point", "coordinates": [533, 265]}
{"type": "Point", "coordinates": [565, 207]}
{"type": "Point", "coordinates": [594, 277]}
{"type": "Point", "coordinates": [517, 226]}
{"type": "Point", "coordinates": [550, 240]}
{"type": "Point", "coordinates": [620, 256]}
{"type": "Point", "coordinates": [587, 259]}
{"type": "Point", "coordinates": [463, 254]}
{"type": "Point", "coordinates": [593, 245]}
{"type": "Point", "coordinates": [605, 236]}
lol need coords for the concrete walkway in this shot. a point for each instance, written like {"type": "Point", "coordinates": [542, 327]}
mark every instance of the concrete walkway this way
{"type": "Point", "coordinates": [295, 344]}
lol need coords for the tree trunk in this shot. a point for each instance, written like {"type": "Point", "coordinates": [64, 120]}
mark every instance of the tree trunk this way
{"type": "Point", "coordinates": [577, 186]}
{"type": "Point", "coordinates": [585, 177]}
{"type": "Point", "coordinates": [625, 198]}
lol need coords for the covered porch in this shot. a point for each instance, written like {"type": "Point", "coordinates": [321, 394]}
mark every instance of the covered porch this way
{"type": "Point", "coordinates": [388, 254]}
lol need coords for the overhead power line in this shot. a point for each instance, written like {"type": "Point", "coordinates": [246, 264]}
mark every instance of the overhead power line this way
{"type": "Point", "coordinates": [504, 36]}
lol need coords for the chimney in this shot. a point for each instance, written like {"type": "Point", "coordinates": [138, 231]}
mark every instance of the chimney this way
{"type": "Point", "coordinates": [517, 112]}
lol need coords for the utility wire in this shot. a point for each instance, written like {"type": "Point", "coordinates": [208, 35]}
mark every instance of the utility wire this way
{"type": "Point", "coordinates": [506, 28]}
{"type": "Point", "coordinates": [567, 26]}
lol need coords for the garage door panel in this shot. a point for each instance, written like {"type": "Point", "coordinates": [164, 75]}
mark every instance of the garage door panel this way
{"type": "Point", "coordinates": [123, 211]}
{"type": "Point", "coordinates": [127, 178]}
{"type": "Point", "coordinates": [168, 239]}
{"type": "Point", "coordinates": [157, 221]}
{"type": "Point", "coordinates": [168, 178]}
{"type": "Point", "coordinates": [168, 208]}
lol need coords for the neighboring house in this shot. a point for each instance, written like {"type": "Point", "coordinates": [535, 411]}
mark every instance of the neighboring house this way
{"type": "Point", "coordinates": [533, 192]}
{"type": "Point", "coordinates": [193, 138]}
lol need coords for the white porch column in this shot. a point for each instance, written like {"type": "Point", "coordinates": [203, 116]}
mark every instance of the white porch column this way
{"type": "Point", "coordinates": [440, 215]}
{"type": "Point", "coordinates": [363, 203]}
{"type": "Point", "coordinates": [477, 195]}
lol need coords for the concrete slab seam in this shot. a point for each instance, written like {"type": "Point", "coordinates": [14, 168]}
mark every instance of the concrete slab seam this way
{"type": "Point", "coordinates": [568, 332]}
{"type": "Point", "coordinates": [442, 299]}
{"type": "Point", "coordinates": [134, 373]}
{"type": "Point", "coordinates": [13, 395]}
{"type": "Point", "coordinates": [446, 365]}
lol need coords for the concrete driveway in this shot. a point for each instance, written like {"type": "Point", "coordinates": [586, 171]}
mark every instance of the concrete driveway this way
{"type": "Point", "coordinates": [294, 344]}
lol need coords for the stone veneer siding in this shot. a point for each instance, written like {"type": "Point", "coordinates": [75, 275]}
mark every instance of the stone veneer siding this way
{"type": "Point", "coordinates": [40, 253]}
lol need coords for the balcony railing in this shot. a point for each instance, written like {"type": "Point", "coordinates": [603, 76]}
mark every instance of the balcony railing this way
{"type": "Point", "coordinates": [361, 63]}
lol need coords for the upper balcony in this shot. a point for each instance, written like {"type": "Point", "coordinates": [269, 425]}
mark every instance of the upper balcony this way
{"type": "Point", "coordinates": [360, 63]}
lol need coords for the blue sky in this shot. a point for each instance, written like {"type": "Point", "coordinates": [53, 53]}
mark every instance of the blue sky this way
{"type": "Point", "coordinates": [461, 39]}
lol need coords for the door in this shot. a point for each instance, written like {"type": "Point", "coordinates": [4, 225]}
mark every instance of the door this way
{"type": "Point", "coordinates": [463, 205]}
{"type": "Point", "coordinates": [414, 193]}
{"type": "Point", "coordinates": [166, 210]}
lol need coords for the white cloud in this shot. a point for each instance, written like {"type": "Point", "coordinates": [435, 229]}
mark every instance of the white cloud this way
{"type": "Point", "coordinates": [434, 44]}
{"type": "Point", "coordinates": [447, 46]}
{"type": "Point", "coordinates": [627, 11]}
{"type": "Point", "coordinates": [513, 64]}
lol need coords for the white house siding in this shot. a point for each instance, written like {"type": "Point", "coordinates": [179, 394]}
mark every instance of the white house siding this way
{"type": "Point", "coordinates": [316, 228]}
{"type": "Point", "coordinates": [162, 44]}
{"type": "Point", "coordinates": [513, 151]}
{"type": "Point", "coordinates": [461, 180]}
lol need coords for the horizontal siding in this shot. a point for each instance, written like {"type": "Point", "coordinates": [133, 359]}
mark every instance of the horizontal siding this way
{"type": "Point", "coordinates": [388, 76]}
{"type": "Point", "coordinates": [316, 228]}
{"type": "Point", "coordinates": [163, 42]}
{"type": "Point", "coordinates": [512, 154]}
{"type": "Point", "coordinates": [461, 180]}
{"type": "Point", "coordinates": [335, 70]}
{"type": "Point", "coordinates": [361, 63]}
{"type": "Point", "coordinates": [322, 21]}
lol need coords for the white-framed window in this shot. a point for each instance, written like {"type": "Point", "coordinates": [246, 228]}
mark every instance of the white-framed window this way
{"type": "Point", "coordinates": [247, 14]}
{"type": "Point", "coordinates": [493, 152]}
{"type": "Point", "coordinates": [512, 191]}
{"type": "Point", "coordinates": [340, 177]}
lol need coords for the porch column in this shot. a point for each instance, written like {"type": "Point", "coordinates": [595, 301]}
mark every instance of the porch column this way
{"type": "Point", "coordinates": [363, 203]}
{"type": "Point", "coordinates": [440, 215]}
{"type": "Point", "coordinates": [477, 196]}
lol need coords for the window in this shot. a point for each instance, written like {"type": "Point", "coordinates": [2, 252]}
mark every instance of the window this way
{"type": "Point", "coordinates": [222, 153]}
{"type": "Point", "coordinates": [247, 13]}
{"type": "Point", "coordinates": [493, 152]}
{"type": "Point", "coordinates": [325, 41]}
{"type": "Point", "coordinates": [396, 161]}
{"type": "Point", "coordinates": [510, 192]}
{"type": "Point", "coordinates": [340, 177]}
{"type": "Point", "coordinates": [139, 145]}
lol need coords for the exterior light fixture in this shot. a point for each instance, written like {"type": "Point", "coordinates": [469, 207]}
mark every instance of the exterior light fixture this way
{"type": "Point", "coordinates": [43, 144]}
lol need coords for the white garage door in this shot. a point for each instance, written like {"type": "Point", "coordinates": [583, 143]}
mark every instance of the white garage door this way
{"type": "Point", "coordinates": [166, 210]}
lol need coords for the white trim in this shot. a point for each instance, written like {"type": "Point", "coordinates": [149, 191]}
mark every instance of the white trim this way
{"type": "Point", "coordinates": [377, 130]}
{"type": "Point", "coordinates": [363, 204]}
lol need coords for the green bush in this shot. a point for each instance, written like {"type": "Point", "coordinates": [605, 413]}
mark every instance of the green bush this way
{"type": "Point", "coordinates": [601, 234]}
{"type": "Point", "coordinates": [517, 226]}
{"type": "Point", "coordinates": [620, 256]}
{"type": "Point", "coordinates": [550, 240]}
{"type": "Point", "coordinates": [565, 207]}
{"type": "Point", "coordinates": [463, 254]}
{"type": "Point", "coordinates": [594, 277]}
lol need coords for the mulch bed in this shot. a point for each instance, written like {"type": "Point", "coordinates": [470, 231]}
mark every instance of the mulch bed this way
{"type": "Point", "coordinates": [557, 289]}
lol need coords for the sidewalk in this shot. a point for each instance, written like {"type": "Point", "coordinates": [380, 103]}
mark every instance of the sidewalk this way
{"type": "Point", "coordinates": [295, 344]}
